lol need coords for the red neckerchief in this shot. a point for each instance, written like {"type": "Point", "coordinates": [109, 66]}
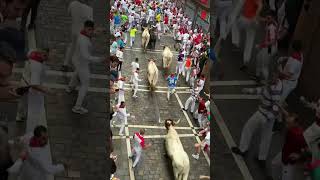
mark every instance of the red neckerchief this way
{"type": "Point", "coordinates": [36, 56]}
{"type": "Point", "coordinates": [35, 142]}
{"type": "Point", "coordinates": [83, 32]}
{"type": "Point", "coordinates": [297, 56]}
{"type": "Point", "coordinates": [141, 138]}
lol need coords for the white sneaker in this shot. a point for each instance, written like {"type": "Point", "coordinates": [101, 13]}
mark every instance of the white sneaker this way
{"type": "Point", "coordinates": [79, 110]}
{"type": "Point", "coordinates": [120, 134]}
{"type": "Point", "coordinates": [196, 156]}
{"type": "Point", "coordinates": [134, 96]}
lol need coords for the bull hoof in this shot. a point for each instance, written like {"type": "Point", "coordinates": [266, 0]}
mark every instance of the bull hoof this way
{"type": "Point", "coordinates": [166, 155]}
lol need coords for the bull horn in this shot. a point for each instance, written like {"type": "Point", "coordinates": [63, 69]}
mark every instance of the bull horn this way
{"type": "Point", "coordinates": [177, 122]}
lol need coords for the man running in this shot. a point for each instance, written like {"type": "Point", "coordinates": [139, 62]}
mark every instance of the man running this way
{"type": "Point", "coordinates": [172, 83]}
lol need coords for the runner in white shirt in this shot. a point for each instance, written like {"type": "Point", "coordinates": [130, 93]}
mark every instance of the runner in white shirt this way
{"type": "Point", "coordinates": [135, 81]}
{"type": "Point", "coordinates": [121, 82]}
{"type": "Point", "coordinates": [119, 54]}
{"type": "Point", "coordinates": [150, 15]}
{"type": "Point", "coordinates": [158, 26]}
{"type": "Point", "coordinates": [81, 60]}
{"type": "Point", "coordinates": [205, 145]}
{"type": "Point", "coordinates": [134, 66]}
{"type": "Point", "coordinates": [122, 115]}
{"type": "Point", "coordinates": [201, 82]}
{"type": "Point", "coordinates": [131, 19]}
{"type": "Point", "coordinates": [291, 72]}
{"type": "Point", "coordinates": [192, 99]}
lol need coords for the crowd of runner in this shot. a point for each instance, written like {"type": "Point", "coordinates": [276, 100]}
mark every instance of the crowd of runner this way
{"type": "Point", "coordinates": [129, 17]}
{"type": "Point", "coordinates": [277, 70]}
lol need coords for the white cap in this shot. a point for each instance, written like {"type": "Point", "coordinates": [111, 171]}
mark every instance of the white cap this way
{"type": "Point", "coordinates": [118, 34]}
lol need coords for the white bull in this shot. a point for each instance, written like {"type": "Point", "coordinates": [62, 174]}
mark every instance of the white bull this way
{"type": "Point", "coordinates": [180, 159]}
{"type": "Point", "coordinates": [145, 38]}
{"type": "Point", "coordinates": [167, 57]}
{"type": "Point", "coordinates": [152, 74]}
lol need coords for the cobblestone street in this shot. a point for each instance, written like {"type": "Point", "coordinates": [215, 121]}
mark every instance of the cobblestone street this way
{"type": "Point", "coordinates": [148, 108]}
{"type": "Point", "coordinates": [77, 140]}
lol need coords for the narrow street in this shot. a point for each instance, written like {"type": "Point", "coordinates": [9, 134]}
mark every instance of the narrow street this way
{"type": "Point", "coordinates": [148, 109]}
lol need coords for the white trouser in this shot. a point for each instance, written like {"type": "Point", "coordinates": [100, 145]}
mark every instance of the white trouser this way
{"type": "Point", "coordinates": [150, 18]}
{"type": "Point", "coordinates": [179, 67]}
{"type": "Point", "coordinates": [35, 110]}
{"type": "Point", "coordinates": [120, 98]}
{"type": "Point", "coordinates": [81, 74]}
{"type": "Point", "coordinates": [170, 91]}
{"type": "Point", "coordinates": [70, 50]}
{"type": "Point", "coordinates": [200, 120]}
{"type": "Point", "coordinates": [125, 37]}
{"type": "Point", "coordinates": [263, 60]}
{"type": "Point", "coordinates": [123, 125]}
{"type": "Point", "coordinates": [310, 135]}
{"type": "Point", "coordinates": [137, 153]}
{"type": "Point", "coordinates": [135, 88]}
{"type": "Point", "coordinates": [223, 18]}
{"type": "Point", "coordinates": [257, 120]}
{"type": "Point", "coordinates": [191, 100]}
{"type": "Point", "coordinates": [249, 27]}
{"type": "Point", "coordinates": [187, 72]}
{"type": "Point", "coordinates": [131, 41]}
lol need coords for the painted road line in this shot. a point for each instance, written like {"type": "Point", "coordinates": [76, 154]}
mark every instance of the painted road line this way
{"type": "Point", "coordinates": [130, 163]}
{"type": "Point", "coordinates": [230, 141]}
{"type": "Point", "coordinates": [159, 87]}
{"type": "Point", "coordinates": [191, 125]}
{"type": "Point", "coordinates": [65, 74]}
{"type": "Point", "coordinates": [232, 83]}
{"type": "Point", "coordinates": [105, 90]}
{"type": "Point", "coordinates": [153, 136]}
{"type": "Point", "coordinates": [155, 127]}
{"type": "Point", "coordinates": [148, 51]}
{"type": "Point", "coordinates": [235, 96]}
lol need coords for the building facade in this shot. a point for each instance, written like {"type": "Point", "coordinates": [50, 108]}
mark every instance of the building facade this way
{"type": "Point", "coordinates": [198, 10]}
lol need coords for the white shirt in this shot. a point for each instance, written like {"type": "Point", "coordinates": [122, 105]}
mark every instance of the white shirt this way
{"type": "Point", "coordinates": [121, 90]}
{"type": "Point", "coordinates": [293, 66]}
{"type": "Point", "coordinates": [201, 83]}
{"type": "Point", "coordinates": [151, 13]}
{"type": "Point", "coordinates": [186, 36]}
{"type": "Point", "coordinates": [158, 25]}
{"type": "Point", "coordinates": [134, 66]}
{"type": "Point", "coordinates": [131, 18]}
{"type": "Point", "coordinates": [122, 113]}
{"type": "Point", "coordinates": [82, 56]}
{"type": "Point", "coordinates": [37, 165]}
{"type": "Point", "coordinates": [80, 13]}
{"type": "Point", "coordinates": [119, 54]}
